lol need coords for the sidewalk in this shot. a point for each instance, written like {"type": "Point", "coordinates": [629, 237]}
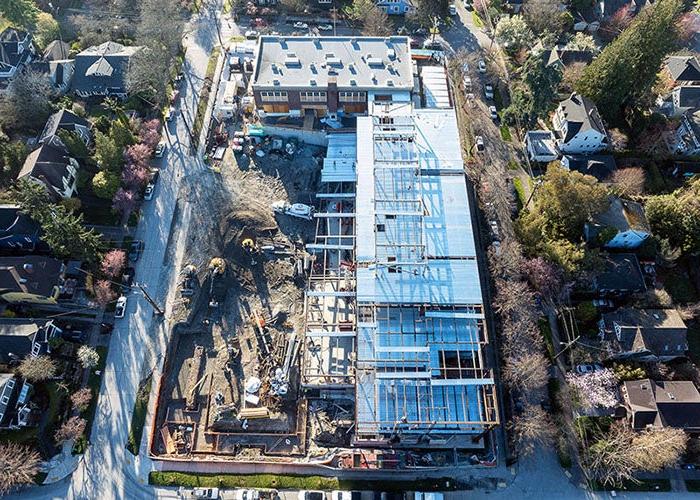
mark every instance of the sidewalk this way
{"type": "Point", "coordinates": [62, 465]}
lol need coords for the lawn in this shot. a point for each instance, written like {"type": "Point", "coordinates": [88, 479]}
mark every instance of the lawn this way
{"type": "Point", "coordinates": [262, 481]}
{"type": "Point", "coordinates": [204, 95]}
{"type": "Point", "coordinates": [519, 192]}
{"type": "Point", "coordinates": [94, 382]}
{"type": "Point", "coordinates": [138, 418]}
{"type": "Point", "coordinates": [505, 133]}
{"type": "Point", "coordinates": [547, 335]}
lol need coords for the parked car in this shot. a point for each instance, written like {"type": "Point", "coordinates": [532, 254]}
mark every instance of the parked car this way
{"type": "Point", "coordinates": [479, 142]}
{"type": "Point", "coordinates": [205, 493]}
{"type": "Point", "coordinates": [493, 112]}
{"type": "Point", "coordinates": [160, 149]}
{"type": "Point", "coordinates": [251, 34]}
{"type": "Point", "coordinates": [135, 250]}
{"type": "Point", "coordinates": [482, 66]}
{"type": "Point", "coordinates": [120, 309]}
{"type": "Point", "coordinates": [151, 186]}
{"type": "Point", "coordinates": [235, 63]}
{"type": "Point", "coordinates": [325, 27]}
{"type": "Point", "coordinates": [453, 9]}
{"type": "Point", "coordinates": [488, 91]}
{"type": "Point", "coordinates": [346, 495]}
{"type": "Point", "coordinates": [170, 114]}
{"type": "Point", "coordinates": [605, 304]}
{"type": "Point", "coordinates": [311, 495]}
{"type": "Point", "coordinates": [432, 45]}
{"type": "Point", "coordinates": [588, 368]}
{"type": "Point", "coordinates": [301, 26]}
{"type": "Point", "coordinates": [495, 233]}
{"type": "Point", "coordinates": [247, 495]}
{"type": "Point", "coordinates": [179, 77]}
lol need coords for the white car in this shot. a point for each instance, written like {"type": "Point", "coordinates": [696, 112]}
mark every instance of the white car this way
{"type": "Point", "coordinates": [301, 26]}
{"type": "Point", "coordinates": [150, 188]}
{"type": "Point", "coordinates": [588, 368]}
{"type": "Point", "coordinates": [160, 149]}
{"type": "Point", "coordinates": [251, 34]}
{"type": "Point", "coordinates": [120, 309]}
{"type": "Point", "coordinates": [325, 27]}
{"type": "Point", "coordinates": [453, 9]}
{"type": "Point", "coordinates": [488, 91]}
{"type": "Point", "coordinates": [479, 141]}
{"type": "Point", "coordinates": [482, 66]}
{"type": "Point", "coordinates": [493, 112]}
{"type": "Point", "coordinates": [205, 493]}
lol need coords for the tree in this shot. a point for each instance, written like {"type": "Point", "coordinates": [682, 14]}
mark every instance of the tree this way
{"type": "Point", "coordinates": [532, 429]}
{"type": "Point", "coordinates": [624, 372]}
{"type": "Point", "coordinates": [125, 201]}
{"type": "Point", "coordinates": [88, 356]}
{"type": "Point", "coordinates": [67, 236]}
{"type": "Point", "coordinates": [542, 81]}
{"type": "Point", "coordinates": [571, 75]}
{"type": "Point", "coordinates": [629, 181]}
{"type": "Point", "coordinates": [676, 217]}
{"type": "Point", "coordinates": [80, 400]}
{"type": "Point", "coordinates": [582, 41]}
{"type": "Point", "coordinates": [543, 16]}
{"type": "Point", "coordinates": [617, 23]}
{"type": "Point", "coordinates": [624, 73]}
{"type": "Point", "coordinates": [618, 139]}
{"type": "Point", "coordinates": [149, 133]}
{"type": "Point", "coordinates": [108, 155]}
{"type": "Point", "coordinates": [595, 389]}
{"type": "Point", "coordinates": [135, 177]}
{"type": "Point", "coordinates": [616, 456]}
{"type": "Point", "coordinates": [19, 464]}
{"type": "Point", "coordinates": [105, 184]}
{"type": "Point", "coordinates": [121, 134]}
{"type": "Point", "coordinates": [27, 101]}
{"type": "Point", "coordinates": [75, 145]}
{"type": "Point", "coordinates": [46, 31]}
{"type": "Point", "coordinates": [113, 263]}
{"type": "Point", "coordinates": [71, 429]}
{"type": "Point", "coordinates": [544, 276]}
{"type": "Point", "coordinates": [19, 12]}
{"type": "Point", "coordinates": [138, 155]}
{"type": "Point", "coordinates": [513, 34]}
{"type": "Point", "coordinates": [36, 369]}
{"type": "Point", "coordinates": [104, 293]}
{"type": "Point", "coordinates": [425, 11]}
{"type": "Point", "coordinates": [12, 156]}
{"type": "Point", "coordinates": [525, 371]}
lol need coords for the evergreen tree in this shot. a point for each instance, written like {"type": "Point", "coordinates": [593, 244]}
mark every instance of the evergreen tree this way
{"type": "Point", "coordinates": [19, 12]}
{"type": "Point", "coordinates": [624, 73]}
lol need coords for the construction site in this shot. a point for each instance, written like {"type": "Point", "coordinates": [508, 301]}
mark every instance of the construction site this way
{"type": "Point", "coordinates": [331, 311]}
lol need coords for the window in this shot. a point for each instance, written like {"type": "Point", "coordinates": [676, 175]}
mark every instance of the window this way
{"type": "Point", "coordinates": [5, 400]}
{"type": "Point", "coordinates": [35, 349]}
{"type": "Point", "coordinates": [351, 97]}
{"type": "Point", "coordinates": [312, 96]}
{"type": "Point", "coordinates": [276, 96]}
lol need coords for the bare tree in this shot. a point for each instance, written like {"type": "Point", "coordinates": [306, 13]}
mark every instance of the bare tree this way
{"type": "Point", "coordinates": [571, 75]}
{"type": "Point", "coordinates": [615, 457]}
{"type": "Point", "coordinates": [506, 261]}
{"type": "Point", "coordinates": [36, 369]}
{"type": "Point", "coordinates": [543, 16]}
{"type": "Point", "coordinates": [526, 371]}
{"type": "Point", "coordinates": [629, 181]}
{"type": "Point", "coordinates": [531, 429]}
{"type": "Point", "coordinates": [618, 139]}
{"type": "Point", "coordinates": [81, 398]}
{"type": "Point", "coordinates": [88, 356]}
{"type": "Point", "coordinates": [19, 464]}
{"type": "Point", "coordinates": [27, 101]}
{"type": "Point", "coordinates": [71, 429]}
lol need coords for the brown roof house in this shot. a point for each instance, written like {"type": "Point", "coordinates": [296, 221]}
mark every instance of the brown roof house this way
{"type": "Point", "coordinates": [645, 334]}
{"type": "Point", "coordinates": [650, 403]}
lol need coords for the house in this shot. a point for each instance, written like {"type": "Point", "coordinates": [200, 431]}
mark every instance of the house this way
{"type": "Point", "coordinates": [579, 127]}
{"type": "Point", "coordinates": [31, 279]}
{"type": "Point", "coordinates": [66, 120]}
{"type": "Point", "coordinates": [57, 50]}
{"type": "Point", "coordinates": [52, 166]}
{"type": "Point", "coordinates": [18, 232]}
{"type": "Point", "coordinates": [541, 145]}
{"type": "Point", "coordinates": [621, 276]}
{"type": "Point", "coordinates": [645, 334]}
{"type": "Point", "coordinates": [686, 139]}
{"type": "Point", "coordinates": [624, 223]}
{"type": "Point", "coordinates": [683, 70]}
{"type": "Point", "coordinates": [395, 7]}
{"type": "Point", "coordinates": [16, 51]}
{"type": "Point", "coordinates": [651, 403]}
{"type": "Point", "coordinates": [599, 166]}
{"type": "Point", "coordinates": [562, 58]}
{"type": "Point", "coordinates": [15, 409]}
{"type": "Point", "coordinates": [23, 337]}
{"type": "Point", "coordinates": [330, 76]}
{"type": "Point", "coordinates": [60, 66]}
{"type": "Point", "coordinates": [102, 70]}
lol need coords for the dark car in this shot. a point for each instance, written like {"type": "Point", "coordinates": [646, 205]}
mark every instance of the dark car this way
{"type": "Point", "coordinates": [135, 250]}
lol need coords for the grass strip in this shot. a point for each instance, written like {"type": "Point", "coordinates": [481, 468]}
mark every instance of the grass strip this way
{"type": "Point", "coordinates": [520, 193]}
{"type": "Point", "coordinates": [204, 95]}
{"type": "Point", "coordinates": [94, 383]}
{"type": "Point", "coordinates": [138, 418]}
{"type": "Point", "coordinates": [505, 133]}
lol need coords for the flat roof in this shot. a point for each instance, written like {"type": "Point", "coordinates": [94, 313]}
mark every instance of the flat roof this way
{"type": "Point", "coordinates": [363, 63]}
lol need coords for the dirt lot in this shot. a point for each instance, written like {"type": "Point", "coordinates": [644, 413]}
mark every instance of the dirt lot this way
{"type": "Point", "coordinates": [251, 330]}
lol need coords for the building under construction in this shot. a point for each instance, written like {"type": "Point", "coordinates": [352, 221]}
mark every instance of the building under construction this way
{"type": "Point", "coordinates": [394, 310]}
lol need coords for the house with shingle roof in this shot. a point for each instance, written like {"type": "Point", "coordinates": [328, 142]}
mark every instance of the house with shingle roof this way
{"type": "Point", "coordinates": [52, 166]}
{"type": "Point", "coordinates": [627, 221]}
{"type": "Point", "coordinates": [102, 70]}
{"type": "Point", "coordinates": [64, 119]}
{"type": "Point", "coordinates": [683, 70]}
{"type": "Point", "coordinates": [652, 403]}
{"type": "Point", "coordinates": [579, 127]}
{"type": "Point", "coordinates": [686, 139]}
{"type": "Point", "coordinates": [16, 51]}
{"type": "Point", "coordinates": [644, 334]}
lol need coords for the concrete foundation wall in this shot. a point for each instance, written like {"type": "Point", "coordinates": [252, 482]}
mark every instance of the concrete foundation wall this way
{"type": "Point", "coordinates": [315, 137]}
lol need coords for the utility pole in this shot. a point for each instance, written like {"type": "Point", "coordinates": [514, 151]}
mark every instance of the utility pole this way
{"type": "Point", "coordinates": [150, 300]}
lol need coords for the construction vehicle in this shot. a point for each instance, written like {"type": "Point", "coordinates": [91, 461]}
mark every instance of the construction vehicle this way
{"type": "Point", "coordinates": [294, 210]}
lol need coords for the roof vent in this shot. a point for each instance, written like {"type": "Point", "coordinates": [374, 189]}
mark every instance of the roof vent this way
{"type": "Point", "coordinates": [351, 67]}
{"type": "Point", "coordinates": [656, 316]}
{"type": "Point", "coordinates": [390, 83]}
{"type": "Point", "coordinates": [671, 396]}
{"type": "Point", "coordinates": [292, 60]}
{"type": "Point", "coordinates": [29, 268]}
{"type": "Point", "coordinates": [374, 61]}
{"type": "Point", "coordinates": [353, 42]}
{"type": "Point", "coordinates": [391, 53]}
{"type": "Point", "coordinates": [275, 70]}
{"type": "Point", "coordinates": [275, 82]}
{"type": "Point", "coordinates": [353, 82]}
{"type": "Point", "coordinates": [312, 82]}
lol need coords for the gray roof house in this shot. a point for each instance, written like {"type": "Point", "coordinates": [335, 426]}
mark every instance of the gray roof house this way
{"type": "Point", "coordinates": [645, 334]}
{"type": "Point", "coordinates": [686, 139]}
{"type": "Point", "coordinates": [621, 276]}
{"type": "Point", "coordinates": [52, 166]}
{"type": "Point", "coordinates": [651, 403]}
{"type": "Point", "coordinates": [24, 337]}
{"type": "Point", "coordinates": [14, 402]}
{"type": "Point", "coordinates": [31, 279]}
{"type": "Point", "coordinates": [102, 70]}
{"type": "Point", "coordinates": [18, 232]}
{"type": "Point", "coordinates": [579, 127]}
{"type": "Point", "coordinates": [66, 120]}
{"type": "Point", "coordinates": [600, 166]}
{"type": "Point", "coordinates": [16, 51]}
{"type": "Point", "coordinates": [563, 58]}
{"type": "Point", "coordinates": [683, 70]}
{"type": "Point", "coordinates": [541, 145]}
{"type": "Point", "coordinates": [626, 218]}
